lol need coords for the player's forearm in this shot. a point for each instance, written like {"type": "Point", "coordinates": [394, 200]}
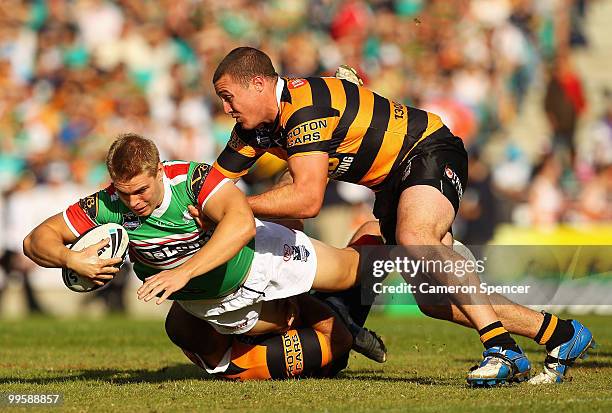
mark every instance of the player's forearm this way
{"type": "Point", "coordinates": [46, 248]}
{"type": "Point", "coordinates": [288, 201]}
{"type": "Point", "coordinates": [232, 233]}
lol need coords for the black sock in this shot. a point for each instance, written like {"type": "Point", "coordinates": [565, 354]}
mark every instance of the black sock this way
{"type": "Point", "coordinates": [495, 335]}
{"type": "Point", "coordinates": [554, 331]}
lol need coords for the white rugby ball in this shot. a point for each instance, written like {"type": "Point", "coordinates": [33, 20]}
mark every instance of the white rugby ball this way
{"type": "Point", "coordinates": [117, 247]}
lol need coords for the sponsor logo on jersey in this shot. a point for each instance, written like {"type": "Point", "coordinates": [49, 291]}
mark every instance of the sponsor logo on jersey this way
{"type": "Point", "coordinates": [294, 357]}
{"type": "Point", "coordinates": [295, 253]}
{"type": "Point", "coordinates": [307, 132]}
{"type": "Point", "coordinates": [295, 83]}
{"type": "Point", "coordinates": [339, 166]}
{"type": "Point", "coordinates": [452, 176]}
{"type": "Point", "coordinates": [170, 251]}
{"type": "Point", "coordinates": [130, 221]}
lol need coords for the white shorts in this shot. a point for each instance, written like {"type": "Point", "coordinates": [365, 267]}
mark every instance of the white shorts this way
{"type": "Point", "coordinates": [284, 265]}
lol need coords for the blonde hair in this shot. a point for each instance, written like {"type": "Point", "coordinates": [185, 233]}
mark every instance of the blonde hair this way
{"type": "Point", "coordinates": [131, 155]}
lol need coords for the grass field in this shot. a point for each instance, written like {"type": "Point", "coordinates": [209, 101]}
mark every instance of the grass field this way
{"type": "Point", "coordinates": [119, 364]}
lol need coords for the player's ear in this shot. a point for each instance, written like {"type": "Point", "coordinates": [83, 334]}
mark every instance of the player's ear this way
{"type": "Point", "coordinates": [258, 83]}
{"type": "Point", "coordinates": [160, 168]}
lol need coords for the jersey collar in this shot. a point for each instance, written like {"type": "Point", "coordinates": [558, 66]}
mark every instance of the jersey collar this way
{"type": "Point", "coordinates": [160, 210]}
{"type": "Point", "coordinates": [280, 86]}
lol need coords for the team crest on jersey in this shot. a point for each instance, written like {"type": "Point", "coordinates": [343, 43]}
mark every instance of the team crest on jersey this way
{"type": "Point", "coordinates": [295, 253]}
{"type": "Point", "coordinates": [295, 83]}
{"type": "Point", "coordinates": [130, 221]}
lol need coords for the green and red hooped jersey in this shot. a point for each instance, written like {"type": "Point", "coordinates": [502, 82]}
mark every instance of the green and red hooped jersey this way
{"type": "Point", "coordinates": [169, 236]}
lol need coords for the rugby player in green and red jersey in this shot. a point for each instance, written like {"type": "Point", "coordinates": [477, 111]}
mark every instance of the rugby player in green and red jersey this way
{"type": "Point", "coordinates": [242, 276]}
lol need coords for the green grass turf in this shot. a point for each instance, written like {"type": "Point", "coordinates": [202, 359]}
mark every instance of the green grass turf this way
{"type": "Point", "coordinates": [119, 364]}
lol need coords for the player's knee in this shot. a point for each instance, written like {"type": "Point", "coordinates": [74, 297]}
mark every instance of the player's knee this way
{"type": "Point", "coordinates": [173, 325]}
{"type": "Point", "coordinates": [180, 326]}
{"type": "Point", "coordinates": [413, 237]}
{"type": "Point", "coordinates": [439, 312]}
{"type": "Point", "coordinates": [337, 334]}
{"type": "Point", "coordinates": [370, 228]}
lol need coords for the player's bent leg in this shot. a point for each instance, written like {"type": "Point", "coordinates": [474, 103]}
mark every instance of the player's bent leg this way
{"type": "Point", "coordinates": [348, 304]}
{"type": "Point", "coordinates": [304, 351]}
{"type": "Point", "coordinates": [275, 317]}
{"type": "Point", "coordinates": [301, 352]}
{"type": "Point", "coordinates": [516, 318]}
{"type": "Point", "coordinates": [337, 269]}
{"type": "Point", "coordinates": [566, 340]}
{"type": "Point", "coordinates": [420, 231]}
{"type": "Point", "coordinates": [198, 340]}
{"type": "Point", "coordinates": [311, 350]}
{"type": "Point", "coordinates": [367, 234]}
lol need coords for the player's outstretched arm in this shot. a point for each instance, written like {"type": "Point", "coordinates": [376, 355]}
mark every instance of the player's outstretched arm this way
{"type": "Point", "coordinates": [235, 228]}
{"type": "Point", "coordinates": [299, 199]}
{"type": "Point", "coordinates": [45, 245]}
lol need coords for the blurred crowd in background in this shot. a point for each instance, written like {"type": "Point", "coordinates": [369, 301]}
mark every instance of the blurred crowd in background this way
{"type": "Point", "coordinates": [74, 74]}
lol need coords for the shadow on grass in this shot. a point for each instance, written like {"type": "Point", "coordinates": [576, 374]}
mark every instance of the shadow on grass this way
{"type": "Point", "coordinates": [175, 372]}
{"type": "Point", "coordinates": [593, 364]}
{"type": "Point", "coordinates": [179, 372]}
{"type": "Point", "coordinates": [366, 375]}
{"type": "Point", "coordinates": [596, 352]}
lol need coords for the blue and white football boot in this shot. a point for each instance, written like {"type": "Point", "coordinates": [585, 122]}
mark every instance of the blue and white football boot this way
{"type": "Point", "coordinates": [499, 367]}
{"type": "Point", "coordinates": [561, 358]}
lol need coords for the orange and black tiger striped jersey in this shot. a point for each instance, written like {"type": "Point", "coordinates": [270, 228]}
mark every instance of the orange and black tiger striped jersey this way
{"type": "Point", "coordinates": [295, 353]}
{"type": "Point", "coordinates": [365, 135]}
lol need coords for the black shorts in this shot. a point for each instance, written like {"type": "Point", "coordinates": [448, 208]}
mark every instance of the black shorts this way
{"type": "Point", "coordinates": [440, 160]}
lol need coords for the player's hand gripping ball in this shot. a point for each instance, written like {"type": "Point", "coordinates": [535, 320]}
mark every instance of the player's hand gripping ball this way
{"type": "Point", "coordinates": [117, 247]}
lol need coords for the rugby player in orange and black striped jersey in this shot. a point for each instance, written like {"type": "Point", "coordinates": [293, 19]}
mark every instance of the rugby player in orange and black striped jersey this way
{"type": "Point", "coordinates": [365, 135]}
{"type": "Point", "coordinates": [329, 128]}
{"type": "Point", "coordinates": [358, 135]}
{"type": "Point", "coordinates": [317, 344]}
